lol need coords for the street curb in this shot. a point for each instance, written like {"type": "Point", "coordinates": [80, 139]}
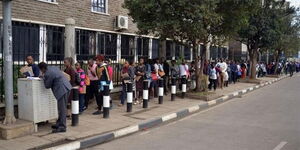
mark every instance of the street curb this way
{"type": "Point", "coordinates": [99, 139]}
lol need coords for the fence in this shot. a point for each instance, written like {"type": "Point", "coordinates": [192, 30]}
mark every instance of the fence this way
{"type": "Point", "coordinates": [46, 43]}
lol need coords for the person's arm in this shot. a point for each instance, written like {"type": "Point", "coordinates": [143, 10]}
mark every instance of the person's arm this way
{"type": "Point", "coordinates": [73, 76]}
{"type": "Point", "coordinates": [48, 80]}
{"type": "Point", "coordinates": [36, 71]}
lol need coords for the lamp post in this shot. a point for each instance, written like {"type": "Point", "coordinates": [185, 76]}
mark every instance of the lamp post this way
{"type": "Point", "coordinates": [8, 63]}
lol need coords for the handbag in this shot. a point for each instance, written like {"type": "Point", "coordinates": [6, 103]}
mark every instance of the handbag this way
{"type": "Point", "coordinates": [161, 73]}
{"type": "Point", "coordinates": [87, 81]}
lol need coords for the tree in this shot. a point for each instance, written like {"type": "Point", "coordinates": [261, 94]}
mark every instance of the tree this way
{"type": "Point", "coordinates": [190, 22]}
{"type": "Point", "coordinates": [259, 32]}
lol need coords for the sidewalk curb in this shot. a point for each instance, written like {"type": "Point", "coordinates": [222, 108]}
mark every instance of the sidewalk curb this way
{"type": "Point", "coordinates": [99, 139]}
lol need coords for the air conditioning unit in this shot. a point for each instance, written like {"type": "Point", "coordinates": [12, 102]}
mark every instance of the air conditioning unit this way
{"type": "Point", "coordinates": [122, 22]}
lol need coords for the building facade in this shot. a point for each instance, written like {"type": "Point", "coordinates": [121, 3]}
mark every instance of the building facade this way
{"type": "Point", "coordinates": [38, 30]}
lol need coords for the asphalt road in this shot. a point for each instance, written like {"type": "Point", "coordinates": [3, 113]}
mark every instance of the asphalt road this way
{"type": "Point", "coordinates": [266, 119]}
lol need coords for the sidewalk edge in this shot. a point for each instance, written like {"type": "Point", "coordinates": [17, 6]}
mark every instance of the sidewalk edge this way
{"type": "Point", "coordinates": [100, 139]}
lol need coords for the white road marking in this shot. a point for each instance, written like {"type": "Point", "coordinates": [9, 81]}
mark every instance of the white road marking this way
{"type": "Point", "coordinates": [280, 146]}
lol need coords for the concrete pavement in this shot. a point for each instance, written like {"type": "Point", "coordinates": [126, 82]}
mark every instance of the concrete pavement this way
{"type": "Point", "coordinates": [95, 126]}
{"type": "Point", "coordinates": [266, 119]}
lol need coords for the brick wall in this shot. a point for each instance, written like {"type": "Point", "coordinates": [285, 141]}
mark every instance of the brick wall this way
{"type": "Point", "coordinates": [80, 10]}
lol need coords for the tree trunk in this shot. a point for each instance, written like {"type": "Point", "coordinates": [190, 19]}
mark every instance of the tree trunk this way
{"type": "Point", "coordinates": [200, 81]}
{"type": "Point", "coordinates": [253, 54]}
{"type": "Point", "coordinates": [277, 60]}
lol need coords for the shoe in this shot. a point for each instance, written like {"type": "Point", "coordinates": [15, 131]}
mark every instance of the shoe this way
{"type": "Point", "coordinates": [59, 130]}
{"type": "Point", "coordinates": [54, 126]}
{"type": "Point", "coordinates": [120, 105]}
{"type": "Point", "coordinates": [97, 112]}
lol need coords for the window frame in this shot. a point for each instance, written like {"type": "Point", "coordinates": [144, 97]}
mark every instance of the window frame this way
{"type": "Point", "coordinates": [97, 12]}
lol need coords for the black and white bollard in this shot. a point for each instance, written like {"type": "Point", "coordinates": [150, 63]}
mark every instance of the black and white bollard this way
{"type": "Point", "coordinates": [145, 93]}
{"type": "Point", "coordinates": [160, 91]}
{"type": "Point", "coordinates": [129, 97]}
{"type": "Point", "coordinates": [183, 84]}
{"type": "Point", "coordinates": [106, 101]}
{"type": "Point", "coordinates": [75, 106]}
{"type": "Point", "coordinates": [173, 89]}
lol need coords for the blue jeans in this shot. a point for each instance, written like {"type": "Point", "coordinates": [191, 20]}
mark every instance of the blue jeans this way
{"type": "Point", "coordinates": [81, 102]}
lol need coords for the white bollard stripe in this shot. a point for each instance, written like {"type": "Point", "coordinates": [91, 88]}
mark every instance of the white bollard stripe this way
{"type": "Point", "coordinates": [169, 117]}
{"type": "Point", "coordinates": [213, 102]}
{"type": "Point", "coordinates": [75, 107]}
{"type": "Point", "coordinates": [106, 102]}
{"type": "Point", "coordinates": [183, 87]}
{"type": "Point", "coordinates": [193, 109]}
{"type": "Point", "coordinates": [161, 91]}
{"type": "Point", "coordinates": [173, 89]}
{"type": "Point", "coordinates": [145, 94]}
{"type": "Point", "coordinates": [235, 94]}
{"type": "Point", "coordinates": [126, 131]}
{"type": "Point", "coordinates": [129, 97]}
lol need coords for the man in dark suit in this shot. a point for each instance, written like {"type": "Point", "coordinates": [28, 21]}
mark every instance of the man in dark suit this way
{"type": "Point", "coordinates": [61, 87]}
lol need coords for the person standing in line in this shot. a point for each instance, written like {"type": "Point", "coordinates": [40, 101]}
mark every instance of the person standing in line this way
{"type": "Point", "coordinates": [69, 62]}
{"type": "Point", "coordinates": [111, 75]}
{"type": "Point", "coordinates": [183, 71]}
{"type": "Point", "coordinates": [140, 76]}
{"type": "Point", "coordinates": [166, 77]}
{"type": "Point", "coordinates": [125, 79]}
{"type": "Point", "coordinates": [212, 77]}
{"type": "Point", "coordinates": [82, 85]}
{"type": "Point", "coordinates": [61, 87]}
{"type": "Point", "coordinates": [92, 89]}
{"type": "Point", "coordinates": [103, 76]}
{"type": "Point", "coordinates": [234, 71]}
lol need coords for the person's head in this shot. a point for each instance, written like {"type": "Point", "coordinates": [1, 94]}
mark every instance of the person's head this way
{"type": "Point", "coordinates": [131, 62]}
{"type": "Point", "coordinates": [162, 60]}
{"type": "Point", "coordinates": [79, 65]}
{"type": "Point", "coordinates": [126, 64]}
{"type": "Point", "coordinates": [173, 62]}
{"type": "Point", "coordinates": [141, 61]}
{"type": "Point", "coordinates": [29, 60]}
{"type": "Point", "coordinates": [157, 61]}
{"type": "Point", "coordinates": [99, 59]}
{"type": "Point", "coordinates": [68, 62]}
{"type": "Point", "coordinates": [212, 65]}
{"type": "Point", "coordinates": [43, 67]}
{"type": "Point", "coordinates": [91, 62]}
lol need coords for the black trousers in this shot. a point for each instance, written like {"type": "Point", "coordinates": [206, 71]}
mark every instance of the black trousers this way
{"type": "Point", "coordinates": [62, 111]}
{"type": "Point", "coordinates": [212, 82]}
{"type": "Point", "coordinates": [93, 91]}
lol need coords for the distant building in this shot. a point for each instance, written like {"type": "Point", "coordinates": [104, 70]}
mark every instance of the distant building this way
{"type": "Point", "coordinates": [238, 51]}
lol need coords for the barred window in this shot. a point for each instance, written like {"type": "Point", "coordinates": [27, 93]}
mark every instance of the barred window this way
{"type": "Point", "coordinates": [99, 6]}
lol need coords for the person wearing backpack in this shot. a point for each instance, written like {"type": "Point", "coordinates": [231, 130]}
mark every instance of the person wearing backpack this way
{"type": "Point", "coordinates": [68, 63]}
{"type": "Point", "coordinates": [102, 74]}
{"type": "Point", "coordinates": [82, 85]}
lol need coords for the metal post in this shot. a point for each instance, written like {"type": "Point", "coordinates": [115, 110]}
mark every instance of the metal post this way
{"type": "Point", "coordinates": [183, 82]}
{"type": "Point", "coordinates": [129, 97]}
{"type": "Point", "coordinates": [70, 38]}
{"type": "Point", "coordinates": [75, 107]}
{"type": "Point", "coordinates": [106, 99]}
{"type": "Point", "coordinates": [8, 63]}
{"type": "Point", "coordinates": [145, 94]}
{"type": "Point", "coordinates": [173, 89]}
{"type": "Point", "coordinates": [160, 91]}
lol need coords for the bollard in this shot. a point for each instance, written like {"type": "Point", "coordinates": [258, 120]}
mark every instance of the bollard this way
{"type": "Point", "coordinates": [75, 106]}
{"type": "Point", "coordinates": [106, 99]}
{"type": "Point", "coordinates": [183, 83]}
{"type": "Point", "coordinates": [173, 89]}
{"type": "Point", "coordinates": [160, 91]}
{"type": "Point", "coordinates": [129, 97]}
{"type": "Point", "coordinates": [145, 94]}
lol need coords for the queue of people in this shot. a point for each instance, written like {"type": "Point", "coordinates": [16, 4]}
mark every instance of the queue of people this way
{"type": "Point", "coordinates": [98, 72]}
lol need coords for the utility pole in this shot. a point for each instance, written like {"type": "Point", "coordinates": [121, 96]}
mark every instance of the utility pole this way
{"type": "Point", "coordinates": [8, 63]}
